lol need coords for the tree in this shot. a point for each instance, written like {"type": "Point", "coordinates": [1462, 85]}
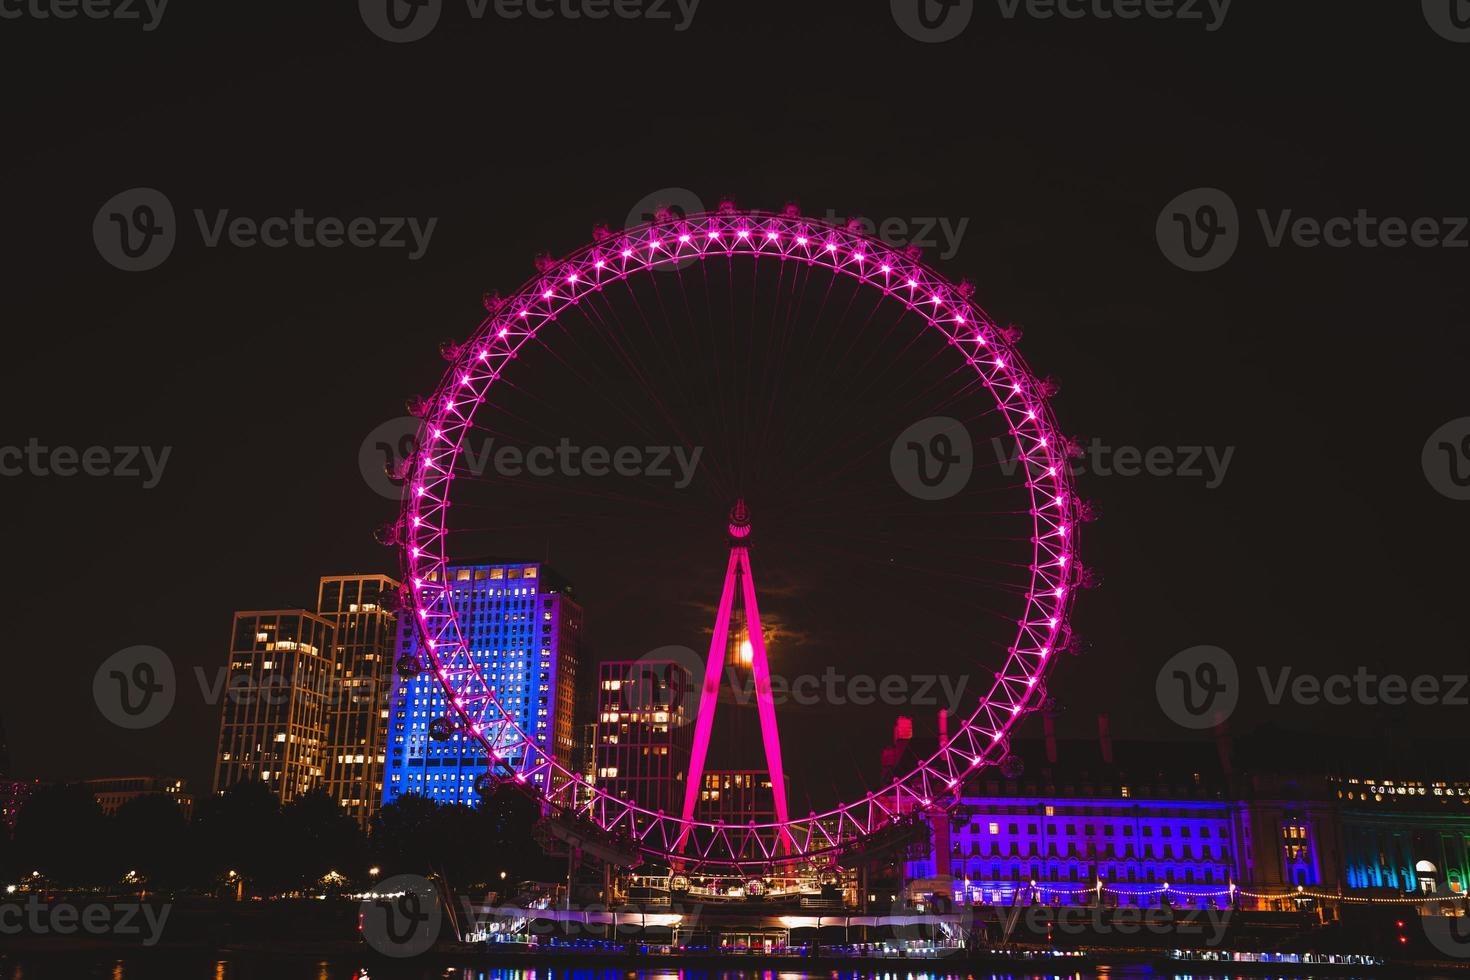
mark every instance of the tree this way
{"type": "Point", "coordinates": [150, 833]}
{"type": "Point", "coordinates": [240, 831]}
{"type": "Point", "coordinates": [507, 831]}
{"type": "Point", "coordinates": [7, 853]}
{"type": "Point", "coordinates": [402, 834]}
{"type": "Point", "coordinates": [469, 846]}
{"type": "Point", "coordinates": [62, 832]}
{"type": "Point", "coordinates": [318, 836]}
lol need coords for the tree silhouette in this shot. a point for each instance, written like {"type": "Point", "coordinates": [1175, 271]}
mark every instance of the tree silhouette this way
{"type": "Point", "coordinates": [469, 846]}
{"type": "Point", "coordinates": [150, 832]}
{"type": "Point", "coordinates": [318, 836]}
{"type": "Point", "coordinates": [7, 854]}
{"type": "Point", "coordinates": [240, 830]}
{"type": "Point", "coordinates": [402, 835]}
{"type": "Point", "coordinates": [62, 832]}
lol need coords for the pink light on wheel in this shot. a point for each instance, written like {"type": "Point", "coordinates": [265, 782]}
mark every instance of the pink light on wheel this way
{"type": "Point", "coordinates": [937, 304]}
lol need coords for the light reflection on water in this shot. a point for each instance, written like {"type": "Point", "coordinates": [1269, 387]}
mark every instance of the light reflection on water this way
{"type": "Point", "coordinates": [184, 966]}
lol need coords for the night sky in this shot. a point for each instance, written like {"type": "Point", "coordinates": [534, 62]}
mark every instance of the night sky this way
{"type": "Point", "coordinates": [1325, 546]}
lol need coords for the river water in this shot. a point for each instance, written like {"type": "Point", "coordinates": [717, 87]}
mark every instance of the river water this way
{"type": "Point", "coordinates": [183, 966]}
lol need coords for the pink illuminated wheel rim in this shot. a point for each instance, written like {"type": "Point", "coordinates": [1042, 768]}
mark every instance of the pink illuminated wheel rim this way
{"type": "Point", "coordinates": [981, 738]}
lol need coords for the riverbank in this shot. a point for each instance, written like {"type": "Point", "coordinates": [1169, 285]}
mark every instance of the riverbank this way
{"type": "Point", "coordinates": [449, 956]}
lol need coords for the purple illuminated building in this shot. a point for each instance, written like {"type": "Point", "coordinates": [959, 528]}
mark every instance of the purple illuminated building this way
{"type": "Point", "coordinates": [1190, 825]}
{"type": "Point", "coordinates": [1138, 828]}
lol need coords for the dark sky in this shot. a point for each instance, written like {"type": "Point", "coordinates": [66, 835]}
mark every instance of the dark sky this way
{"type": "Point", "coordinates": [1324, 548]}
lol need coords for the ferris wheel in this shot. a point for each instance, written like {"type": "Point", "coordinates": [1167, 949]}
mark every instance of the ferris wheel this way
{"type": "Point", "coordinates": [973, 345]}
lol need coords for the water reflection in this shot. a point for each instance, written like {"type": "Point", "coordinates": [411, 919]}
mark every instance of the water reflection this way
{"type": "Point", "coordinates": [182, 966]}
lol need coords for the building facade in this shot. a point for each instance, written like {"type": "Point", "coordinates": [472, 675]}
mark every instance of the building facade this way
{"type": "Point", "coordinates": [113, 791]}
{"type": "Point", "coordinates": [524, 627]}
{"type": "Point", "coordinates": [273, 719]}
{"type": "Point", "coordinates": [1165, 823]}
{"type": "Point", "coordinates": [1288, 832]}
{"type": "Point", "coordinates": [1137, 840]}
{"type": "Point", "coordinates": [363, 640]}
{"type": "Point", "coordinates": [643, 732]}
{"type": "Point", "coordinates": [1405, 836]}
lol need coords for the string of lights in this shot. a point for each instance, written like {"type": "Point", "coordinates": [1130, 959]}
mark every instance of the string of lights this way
{"type": "Point", "coordinates": [1232, 890]}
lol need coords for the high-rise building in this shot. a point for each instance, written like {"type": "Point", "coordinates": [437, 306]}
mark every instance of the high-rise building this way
{"type": "Point", "coordinates": [273, 718]}
{"type": "Point", "coordinates": [364, 635]}
{"type": "Point", "coordinates": [524, 629]}
{"type": "Point", "coordinates": [643, 731]}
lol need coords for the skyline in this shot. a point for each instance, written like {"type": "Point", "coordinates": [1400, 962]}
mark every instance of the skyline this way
{"type": "Point", "coordinates": [673, 486]}
{"type": "Point", "coordinates": [1323, 542]}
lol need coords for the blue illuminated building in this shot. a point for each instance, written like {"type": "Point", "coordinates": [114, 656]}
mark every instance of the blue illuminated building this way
{"type": "Point", "coordinates": [1405, 836]}
{"type": "Point", "coordinates": [524, 629]}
